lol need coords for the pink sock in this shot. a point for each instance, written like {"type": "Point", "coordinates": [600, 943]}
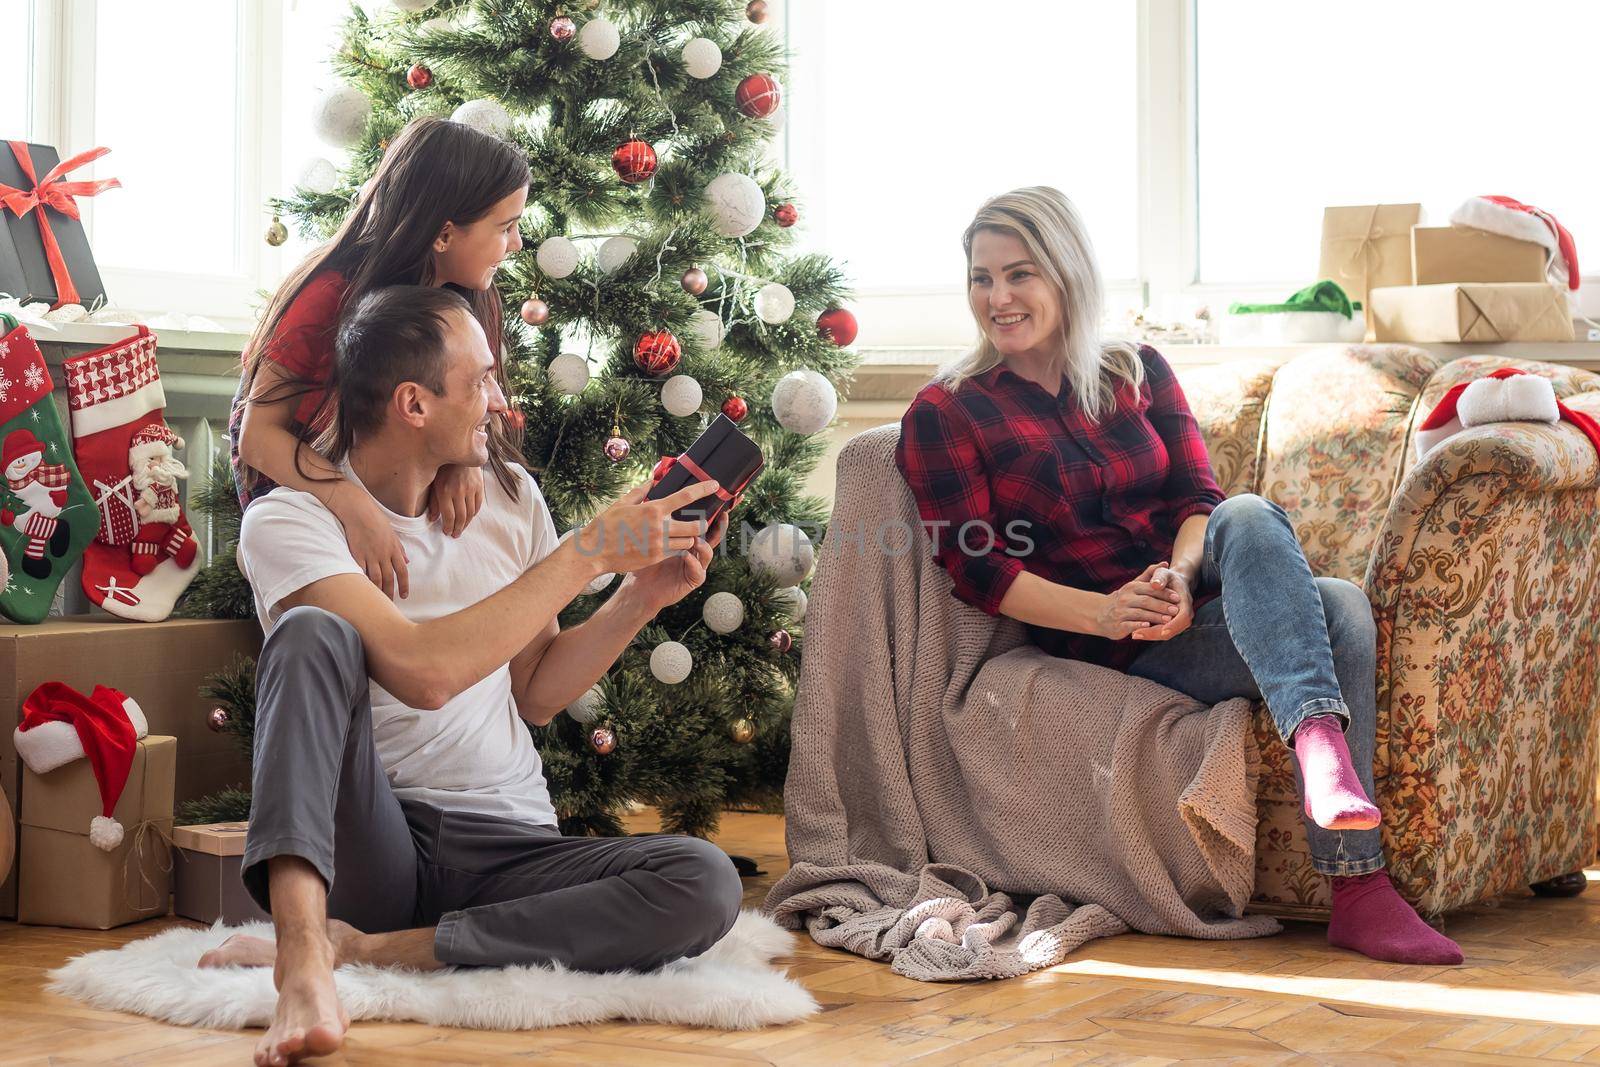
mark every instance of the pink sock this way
{"type": "Point", "coordinates": [1334, 797]}
{"type": "Point", "coordinates": [1370, 918]}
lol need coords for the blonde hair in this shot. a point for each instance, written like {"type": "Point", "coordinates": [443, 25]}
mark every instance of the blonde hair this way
{"type": "Point", "coordinates": [1058, 242]}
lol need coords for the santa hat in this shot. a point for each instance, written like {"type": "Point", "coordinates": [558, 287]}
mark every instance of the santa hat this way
{"type": "Point", "coordinates": [19, 443]}
{"type": "Point", "coordinates": [60, 724]}
{"type": "Point", "coordinates": [1511, 218]}
{"type": "Point", "coordinates": [1507, 395]}
{"type": "Point", "coordinates": [154, 440]}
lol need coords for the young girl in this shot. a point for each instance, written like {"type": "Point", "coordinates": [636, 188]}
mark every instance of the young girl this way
{"type": "Point", "coordinates": [443, 209]}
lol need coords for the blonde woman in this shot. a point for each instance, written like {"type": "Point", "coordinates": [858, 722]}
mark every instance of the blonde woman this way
{"type": "Point", "coordinates": [1119, 548]}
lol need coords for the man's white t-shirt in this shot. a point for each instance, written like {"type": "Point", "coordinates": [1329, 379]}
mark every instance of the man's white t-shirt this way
{"type": "Point", "coordinates": [475, 753]}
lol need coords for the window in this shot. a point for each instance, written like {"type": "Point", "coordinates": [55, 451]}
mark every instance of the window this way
{"type": "Point", "coordinates": [904, 120]}
{"type": "Point", "coordinates": [1299, 107]}
{"type": "Point", "coordinates": [16, 72]}
{"type": "Point", "coordinates": [167, 103]}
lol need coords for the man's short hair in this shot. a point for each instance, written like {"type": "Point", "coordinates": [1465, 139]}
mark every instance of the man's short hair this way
{"type": "Point", "coordinates": [392, 335]}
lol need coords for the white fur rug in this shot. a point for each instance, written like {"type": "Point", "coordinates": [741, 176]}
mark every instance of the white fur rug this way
{"type": "Point", "coordinates": [731, 987]}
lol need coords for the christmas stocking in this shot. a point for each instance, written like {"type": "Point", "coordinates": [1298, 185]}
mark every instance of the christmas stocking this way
{"type": "Point", "coordinates": [46, 513]}
{"type": "Point", "coordinates": [145, 554]}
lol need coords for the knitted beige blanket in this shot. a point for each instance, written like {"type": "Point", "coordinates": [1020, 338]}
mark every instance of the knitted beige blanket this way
{"type": "Point", "coordinates": [966, 806]}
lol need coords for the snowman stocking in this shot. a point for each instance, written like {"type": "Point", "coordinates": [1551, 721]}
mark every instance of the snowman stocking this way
{"type": "Point", "coordinates": [46, 513]}
{"type": "Point", "coordinates": [145, 553]}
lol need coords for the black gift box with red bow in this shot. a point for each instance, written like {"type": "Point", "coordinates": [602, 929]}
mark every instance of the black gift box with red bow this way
{"type": "Point", "coordinates": [723, 454]}
{"type": "Point", "coordinates": [44, 253]}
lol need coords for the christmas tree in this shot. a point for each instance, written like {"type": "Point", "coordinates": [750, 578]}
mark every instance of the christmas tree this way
{"type": "Point", "coordinates": [656, 288]}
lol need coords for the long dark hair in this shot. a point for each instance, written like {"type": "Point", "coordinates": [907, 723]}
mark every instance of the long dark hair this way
{"type": "Point", "coordinates": [434, 171]}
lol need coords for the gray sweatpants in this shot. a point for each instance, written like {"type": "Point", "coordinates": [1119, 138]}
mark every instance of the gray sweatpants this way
{"type": "Point", "coordinates": [498, 891]}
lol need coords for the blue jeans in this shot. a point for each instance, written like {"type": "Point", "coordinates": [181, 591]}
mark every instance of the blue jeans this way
{"type": "Point", "coordinates": [1307, 646]}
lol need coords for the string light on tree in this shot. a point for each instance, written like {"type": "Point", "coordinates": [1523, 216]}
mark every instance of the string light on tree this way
{"type": "Point", "coordinates": [723, 613]}
{"type": "Point", "coordinates": [535, 312]}
{"type": "Point", "coordinates": [758, 95]}
{"type": "Point", "coordinates": [599, 39]}
{"type": "Point", "coordinates": [804, 401]}
{"type": "Point", "coordinates": [736, 203]}
{"type": "Point", "coordinates": [569, 373]}
{"type": "Point", "coordinates": [735, 408]}
{"type": "Point", "coordinates": [671, 662]}
{"type": "Point", "coordinates": [702, 58]}
{"type": "Point", "coordinates": [774, 303]}
{"type": "Point", "coordinates": [557, 257]}
{"type": "Point", "coordinates": [614, 252]}
{"type": "Point", "coordinates": [657, 352]}
{"type": "Point", "coordinates": [681, 396]}
{"type": "Point", "coordinates": [634, 161]}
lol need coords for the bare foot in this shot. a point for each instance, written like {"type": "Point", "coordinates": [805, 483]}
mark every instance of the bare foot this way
{"type": "Point", "coordinates": [308, 1020]}
{"type": "Point", "coordinates": [242, 950]}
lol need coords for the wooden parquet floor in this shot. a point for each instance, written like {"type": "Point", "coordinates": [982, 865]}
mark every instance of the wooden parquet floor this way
{"type": "Point", "coordinates": [1529, 993]}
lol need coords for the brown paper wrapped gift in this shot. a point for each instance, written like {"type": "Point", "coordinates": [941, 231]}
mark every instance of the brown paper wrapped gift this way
{"type": "Point", "coordinates": [205, 874]}
{"type": "Point", "coordinates": [1462, 254]}
{"type": "Point", "coordinates": [1511, 311]}
{"type": "Point", "coordinates": [1366, 246]}
{"type": "Point", "coordinates": [65, 880]}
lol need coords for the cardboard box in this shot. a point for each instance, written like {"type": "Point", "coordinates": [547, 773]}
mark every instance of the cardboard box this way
{"type": "Point", "coordinates": [1367, 246]}
{"type": "Point", "coordinates": [1485, 313]}
{"type": "Point", "coordinates": [1461, 254]}
{"type": "Point", "coordinates": [67, 881]}
{"type": "Point", "coordinates": [205, 874]}
{"type": "Point", "coordinates": [162, 665]}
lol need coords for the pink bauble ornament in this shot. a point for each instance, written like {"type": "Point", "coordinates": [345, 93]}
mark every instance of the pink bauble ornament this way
{"type": "Point", "coordinates": [756, 11]}
{"type": "Point", "coordinates": [217, 719]}
{"type": "Point", "coordinates": [603, 741]}
{"type": "Point", "coordinates": [781, 641]}
{"type": "Point", "coordinates": [694, 281]}
{"type": "Point", "coordinates": [616, 449]}
{"type": "Point", "coordinates": [535, 312]}
{"type": "Point", "coordinates": [562, 28]}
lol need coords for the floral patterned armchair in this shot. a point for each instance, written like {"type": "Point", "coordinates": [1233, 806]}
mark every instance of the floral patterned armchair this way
{"type": "Point", "coordinates": [1482, 564]}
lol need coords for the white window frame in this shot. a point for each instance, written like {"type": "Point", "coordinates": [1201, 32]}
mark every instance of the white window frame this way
{"type": "Point", "coordinates": [63, 115]}
{"type": "Point", "coordinates": [928, 324]}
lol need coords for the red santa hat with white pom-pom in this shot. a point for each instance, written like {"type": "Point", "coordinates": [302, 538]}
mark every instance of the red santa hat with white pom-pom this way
{"type": "Point", "coordinates": [1512, 218]}
{"type": "Point", "coordinates": [1507, 395]}
{"type": "Point", "coordinates": [60, 724]}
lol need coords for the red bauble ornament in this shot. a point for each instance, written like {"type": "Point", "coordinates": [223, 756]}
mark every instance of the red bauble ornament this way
{"type": "Point", "coordinates": [634, 161]}
{"type": "Point", "coordinates": [657, 352]}
{"type": "Point", "coordinates": [562, 28]}
{"type": "Point", "coordinates": [781, 641]}
{"type": "Point", "coordinates": [419, 77]}
{"type": "Point", "coordinates": [603, 740]}
{"type": "Point", "coordinates": [758, 95]}
{"type": "Point", "coordinates": [217, 719]}
{"type": "Point", "coordinates": [838, 326]}
{"type": "Point", "coordinates": [694, 281]}
{"type": "Point", "coordinates": [735, 408]}
{"type": "Point", "coordinates": [756, 11]}
{"type": "Point", "coordinates": [786, 215]}
{"type": "Point", "coordinates": [535, 312]}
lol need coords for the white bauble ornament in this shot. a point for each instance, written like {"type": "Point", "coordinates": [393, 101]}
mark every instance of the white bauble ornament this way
{"type": "Point", "coordinates": [706, 327]}
{"type": "Point", "coordinates": [774, 303]}
{"type": "Point", "coordinates": [681, 395]}
{"type": "Point", "coordinates": [724, 613]}
{"type": "Point", "coordinates": [485, 116]}
{"type": "Point", "coordinates": [671, 663]}
{"type": "Point", "coordinates": [413, 6]}
{"type": "Point", "coordinates": [439, 24]}
{"type": "Point", "coordinates": [794, 601]}
{"type": "Point", "coordinates": [615, 252]}
{"type": "Point", "coordinates": [600, 583]}
{"type": "Point", "coordinates": [340, 116]}
{"type": "Point", "coordinates": [779, 118]}
{"type": "Point", "coordinates": [587, 708]}
{"type": "Point", "coordinates": [599, 39]}
{"type": "Point", "coordinates": [804, 401]}
{"type": "Point", "coordinates": [569, 373]}
{"type": "Point", "coordinates": [782, 551]}
{"type": "Point", "coordinates": [318, 176]}
{"type": "Point", "coordinates": [702, 58]}
{"type": "Point", "coordinates": [736, 203]}
{"type": "Point", "coordinates": [557, 257]}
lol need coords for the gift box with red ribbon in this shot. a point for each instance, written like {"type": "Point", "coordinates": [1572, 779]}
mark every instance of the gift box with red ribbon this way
{"type": "Point", "coordinates": [44, 253]}
{"type": "Point", "coordinates": [721, 454]}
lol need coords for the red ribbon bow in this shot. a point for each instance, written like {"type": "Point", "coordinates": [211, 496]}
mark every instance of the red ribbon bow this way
{"type": "Point", "coordinates": [54, 193]}
{"type": "Point", "coordinates": [666, 463]}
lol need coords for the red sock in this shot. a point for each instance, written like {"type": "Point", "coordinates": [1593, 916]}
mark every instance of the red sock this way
{"type": "Point", "coordinates": [1369, 917]}
{"type": "Point", "coordinates": [1334, 797]}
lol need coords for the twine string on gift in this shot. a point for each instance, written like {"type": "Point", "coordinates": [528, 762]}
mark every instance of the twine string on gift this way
{"type": "Point", "coordinates": [52, 192]}
{"type": "Point", "coordinates": [141, 833]}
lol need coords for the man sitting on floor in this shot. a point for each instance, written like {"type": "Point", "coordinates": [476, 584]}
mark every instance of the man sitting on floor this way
{"type": "Point", "coordinates": [399, 813]}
